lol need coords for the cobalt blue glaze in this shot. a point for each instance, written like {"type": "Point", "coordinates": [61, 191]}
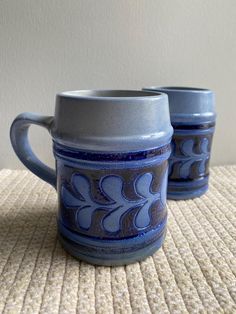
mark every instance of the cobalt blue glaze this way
{"type": "Point", "coordinates": [193, 119]}
{"type": "Point", "coordinates": [112, 211]}
{"type": "Point", "coordinates": [189, 160]}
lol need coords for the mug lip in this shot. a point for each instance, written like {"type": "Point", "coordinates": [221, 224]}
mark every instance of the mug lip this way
{"type": "Point", "coordinates": [112, 94]}
{"type": "Point", "coordinates": [178, 89]}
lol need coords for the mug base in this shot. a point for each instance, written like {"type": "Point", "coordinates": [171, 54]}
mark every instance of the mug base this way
{"type": "Point", "coordinates": [104, 257]}
{"type": "Point", "coordinates": [186, 194]}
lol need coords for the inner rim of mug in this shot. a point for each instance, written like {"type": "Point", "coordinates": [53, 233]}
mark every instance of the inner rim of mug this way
{"type": "Point", "coordinates": [179, 88]}
{"type": "Point", "coordinates": [92, 94]}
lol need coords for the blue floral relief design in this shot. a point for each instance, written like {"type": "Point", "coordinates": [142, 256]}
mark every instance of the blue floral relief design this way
{"type": "Point", "coordinates": [78, 196]}
{"type": "Point", "coordinates": [189, 157]}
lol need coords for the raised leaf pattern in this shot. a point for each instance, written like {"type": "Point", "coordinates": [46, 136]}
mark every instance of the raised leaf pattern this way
{"type": "Point", "coordinates": [78, 196]}
{"type": "Point", "coordinates": [189, 157]}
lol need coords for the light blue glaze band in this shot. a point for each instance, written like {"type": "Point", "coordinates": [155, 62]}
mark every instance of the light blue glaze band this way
{"type": "Point", "coordinates": [122, 252]}
{"type": "Point", "coordinates": [189, 105]}
{"type": "Point", "coordinates": [118, 259]}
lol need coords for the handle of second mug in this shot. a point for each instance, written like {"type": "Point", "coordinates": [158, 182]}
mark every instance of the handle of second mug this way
{"type": "Point", "coordinates": [22, 148]}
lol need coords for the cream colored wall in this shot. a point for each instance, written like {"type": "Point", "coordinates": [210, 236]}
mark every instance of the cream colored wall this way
{"type": "Point", "coordinates": [54, 45]}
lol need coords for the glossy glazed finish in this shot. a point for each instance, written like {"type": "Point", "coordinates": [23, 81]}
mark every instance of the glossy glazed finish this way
{"type": "Point", "coordinates": [111, 200]}
{"type": "Point", "coordinates": [192, 112]}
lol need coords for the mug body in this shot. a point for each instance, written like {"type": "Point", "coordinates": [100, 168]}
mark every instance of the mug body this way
{"type": "Point", "coordinates": [112, 167]}
{"type": "Point", "coordinates": [192, 112]}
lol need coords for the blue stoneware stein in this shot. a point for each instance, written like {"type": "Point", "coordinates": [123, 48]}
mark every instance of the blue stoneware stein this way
{"type": "Point", "coordinates": [111, 150]}
{"type": "Point", "coordinates": [192, 112]}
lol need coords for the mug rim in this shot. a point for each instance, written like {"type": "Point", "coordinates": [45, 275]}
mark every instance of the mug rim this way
{"type": "Point", "coordinates": [179, 89]}
{"type": "Point", "coordinates": [139, 121]}
{"type": "Point", "coordinates": [111, 94]}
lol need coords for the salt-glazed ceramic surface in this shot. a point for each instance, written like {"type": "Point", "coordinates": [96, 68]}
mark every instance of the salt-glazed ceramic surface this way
{"type": "Point", "coordinates": [192, 112]}
{"type": "Point", "coordinates": [111, 150]}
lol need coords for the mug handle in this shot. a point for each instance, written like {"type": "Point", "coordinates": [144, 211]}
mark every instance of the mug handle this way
{"type": "Point", "coordinates": [22, 148]}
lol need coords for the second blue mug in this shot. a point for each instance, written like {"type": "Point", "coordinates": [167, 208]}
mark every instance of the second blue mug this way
{"type": "Point", "coordinates": [111, 150]}
{"type": "Point", "coordinates": [192, 113]}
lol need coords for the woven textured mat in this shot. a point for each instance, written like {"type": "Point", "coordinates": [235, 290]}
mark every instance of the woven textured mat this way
{"type": "Point", "coordinates": [194, 272]}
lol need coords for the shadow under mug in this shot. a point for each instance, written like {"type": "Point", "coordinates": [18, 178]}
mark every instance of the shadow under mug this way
{"type": "Point", "coordinates": [111, 150]}
{"type": "Point", "coordinates": [192, 113]}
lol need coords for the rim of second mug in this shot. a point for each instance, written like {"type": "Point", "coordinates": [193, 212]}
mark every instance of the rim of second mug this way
{"type": "Point", "coordinates": [178, 89]}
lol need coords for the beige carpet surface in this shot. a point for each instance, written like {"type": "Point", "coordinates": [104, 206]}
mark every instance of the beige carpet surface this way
{"type": "Point", "coordinates": [194, 272]}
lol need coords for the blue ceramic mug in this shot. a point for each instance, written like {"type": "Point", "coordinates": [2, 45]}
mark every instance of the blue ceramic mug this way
{"type": "Point", "coordinates": [111, 150]}
{"type": "Point", "coordinates": [192, 112]}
